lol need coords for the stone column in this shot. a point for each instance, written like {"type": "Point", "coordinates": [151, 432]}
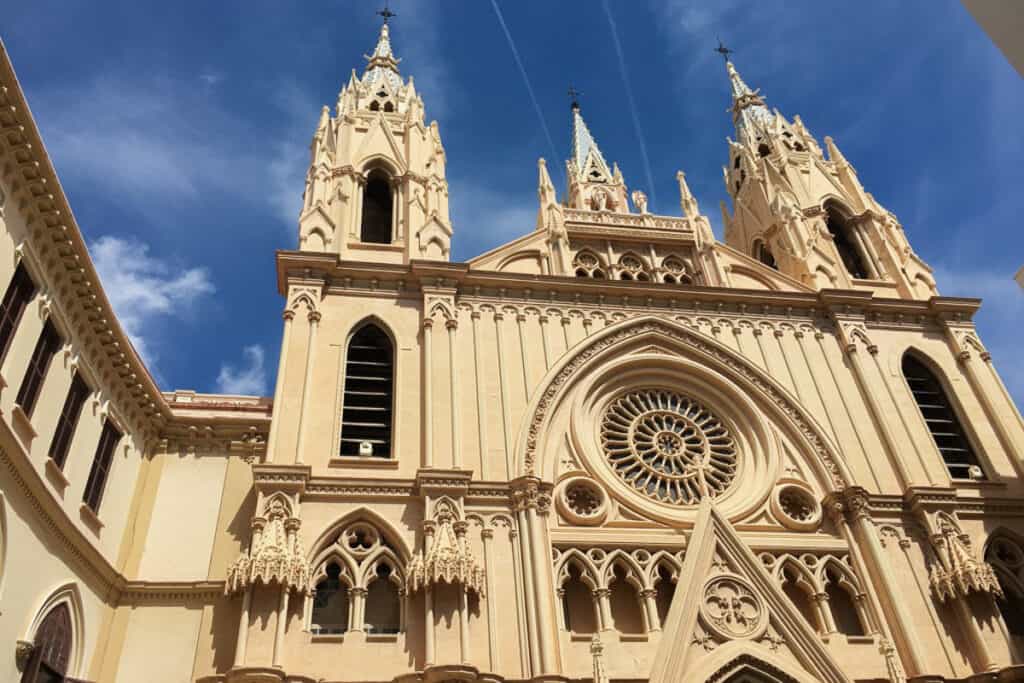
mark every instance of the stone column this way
{"type": "Point", "coordinates": [430, 653]}
{"type": "Point", "coordinates": [828, 624]}
{"type": "Point", "coordinates": [492, 618]}
{"type": "Point", "coordinates": [307, 383]}
{"type": "Point", "coordinates": [604, 609]}
{"type": "Point", "coordinates": [452, 325]}
{"type": "Point", "coordinates": [460, 533]}
{"type": "Point", "coordinates": [651, 609]}
{"type": "Point", "coordinates": [279, 631]}
{"type": "Point", "coordinates": [428, 395]}
{"type": "Point", "coordinates": [282, 364]}
{"type": "Point", "coordinates": [481, 402]}
{"type": "Point", "coordinates": [243, 628]}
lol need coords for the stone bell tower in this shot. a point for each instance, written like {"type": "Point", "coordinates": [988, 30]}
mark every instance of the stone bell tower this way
{"type": "Point", "coordinates": [376, 187]}
{"type": "Point", "coordinates": [807, 215]}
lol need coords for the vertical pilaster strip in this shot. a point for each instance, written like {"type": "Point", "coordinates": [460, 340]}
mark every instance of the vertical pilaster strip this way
{"type": "Point", "coordinates": [307, 384]}
{"type": "Point", "coordinates": [543, 320]}
{"type": "Point", "coordinates": [541, 572]}
{"type": "Point", "coordinates": [428, 394]}
{"type": "Point", "coordinates": [528, 586]}
{"type": "Point", "coordinates": [282, 364]}
{"type": "Point", "coordinates": [520, 319]}
{"type": "Point", "coordinates": [430, 654]}
{"type": "Point", "coordinates": [481, 402]}
{"type": "Point", "coordinates": [243, 628]}
{"type": "Point", "coordinates": [452, 325]}
{"type": "Point", "coordinates": [493, 656]}
{"type": "Point", "coordinates": [503, 385]}
{"type": "Point", "coordinates": [279, 630]}
{"type": "Point", "coordinates": [464, 626]}
{"type": "Point", "coordinates": [517, 572]}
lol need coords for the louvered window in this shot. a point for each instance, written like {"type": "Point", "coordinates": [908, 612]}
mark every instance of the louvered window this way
{"type": "Point", "coordinates": [369, 383]}
{"type": "Point", "coordinates": [942, 420]}
{"type": "Point", "coordinates": [101, 466]}
{"type": "Point", "coordinates": [69, 415]}
{"type": "Point", "coordinates": [18, 294]}
{"type": "Point", "coordinates": [47, 346]}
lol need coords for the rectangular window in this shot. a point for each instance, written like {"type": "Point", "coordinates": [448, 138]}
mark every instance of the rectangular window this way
{"type": "Point", "coordinates": [77, 394]}
{"type": "Point", "coordinates": [16, 298]}
{"type": "Point", "coordinates": [47, 346]}
{"type": "Point", "coordinates": [101, 466]}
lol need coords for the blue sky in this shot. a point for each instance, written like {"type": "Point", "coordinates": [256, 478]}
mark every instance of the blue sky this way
{"type": "Point", "coordinates": [181, 132]}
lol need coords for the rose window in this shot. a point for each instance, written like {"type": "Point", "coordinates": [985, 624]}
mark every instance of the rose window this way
{"type": "Point", "coordinates": [668, 446]}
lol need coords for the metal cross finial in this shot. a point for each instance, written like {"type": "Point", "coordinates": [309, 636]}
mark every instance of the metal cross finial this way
{"type": "Point", "coordinates": [386, 13]}
{"type": "Point", "coordinates": [723, 50]}
{"type": "Point", "coordinates": [574, 96]}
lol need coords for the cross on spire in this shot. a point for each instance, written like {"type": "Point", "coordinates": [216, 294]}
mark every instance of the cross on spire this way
{"type": "Point", "coordinates": [386, 13]}
{"type": "Point", "coordinates": [723, 50]}
{"type": "Point", "coordinates": [574, 97]}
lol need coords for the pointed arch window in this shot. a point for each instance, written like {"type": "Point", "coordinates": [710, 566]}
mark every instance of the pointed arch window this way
{"type": "Point", "coordinates": [330, 603]}
{"type": "Point", "coordinates": [764, 254]}
{"type": "Point", "coordinates": [587, 264]}
{"type": "Point", "coordinates": [941, 419]}
{"type": "Point", "coordinates": [383, 604]}
{"type": "Point", "coordinates": [378, 209]}
{"type": "Point", "coordinates": [841, 603]}
{"type": "Point", "coordinates": [368, 397]}
{"type": "Point", "coordinates": [665, 588]}
{"type": "Point", "coordinates": [624, 603]}
{"type": "Point", "coordinates": [51, 648]}
{"type": "Point", "coordinates": [1006, 555]}
{"type": "Point", "coordinates": [799, 593]}
{"type": "Point", "coordinates": [578, 603]}
{"type": "Point", "coordinates": [846, 239]}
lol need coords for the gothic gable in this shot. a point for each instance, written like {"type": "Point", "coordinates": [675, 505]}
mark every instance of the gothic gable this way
{"type": "Point", "coordinates": [728, 617]}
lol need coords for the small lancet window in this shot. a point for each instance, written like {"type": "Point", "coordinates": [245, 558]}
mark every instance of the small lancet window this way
{"type": "Point", "coordinates": [368, 394]}
{"type": "Point", "coordinates": [763, 150]}
{"type": "Point", "coordinates": [389, 108]}
{"type": "Point", "coordinates": [330, 603]}
{"type": "Point", "coordinates": [844, 239]}
{"type": "Point", "coordinates": [377, 208]}
{"type": "Point", "coordinates": [840, 602]}
{"type": "Point", "coordinates": [578, 603]}
{"type": "Point", "coordinates": [383, 609]}
{"type": "Point", "coordinates": [624, 603]}
{"type": "Point", "coordinates": [942, 420]}
{"type": "Point", "coordinates": [799, 596]}
{"type": "Point", "coordinates": [375, 106]}
{"type": "Point", "coordinates": [587, 264]}
{"type": "Point", "coordinates": [764, 254]}
{"type": "Point", "coordinates": [665, 590]}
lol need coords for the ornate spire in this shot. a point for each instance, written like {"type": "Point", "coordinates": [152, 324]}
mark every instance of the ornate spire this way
{"type": "Point", "coordinates": [382, 65]}
{"type": "Point", "coordinates": [583, 144]}
{"type": "Point", "coordinates": [748, 108]}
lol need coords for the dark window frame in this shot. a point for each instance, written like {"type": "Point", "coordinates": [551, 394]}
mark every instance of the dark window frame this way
{"type": "Point", "coordinates": [20, 292]}
{"type": "Point", "coordinates": [67, 423]}
{"type": "Point", "coordinates": [376, 225]}
{"type": "Point", "coordinates": [99, 472]}
{"type": "Point", "coordinates": [47, 346]}
{"type": "Point", "coordinates": [368, 392]}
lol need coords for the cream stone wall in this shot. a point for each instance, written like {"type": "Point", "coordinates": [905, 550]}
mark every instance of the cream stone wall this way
{"type": "Point", "coordinates": [500, 495]}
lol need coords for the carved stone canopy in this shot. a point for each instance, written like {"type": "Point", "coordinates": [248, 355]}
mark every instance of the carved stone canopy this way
{"type": "Point", "coordinates": [958, 572]}
{"type": "Point", "coordinates": [275, 555]}
{"type": "Point", "coordinates": [448, 557]}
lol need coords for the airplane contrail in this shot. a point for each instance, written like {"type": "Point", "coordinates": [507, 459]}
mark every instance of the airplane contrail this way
{"type": "Point", "coordinates": [632, 102]}
{"type": "Point", "coordinates": [529, 88]}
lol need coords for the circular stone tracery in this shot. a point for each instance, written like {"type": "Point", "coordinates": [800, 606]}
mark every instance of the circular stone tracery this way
{"type": "Point", "coordinates": [668, 446]}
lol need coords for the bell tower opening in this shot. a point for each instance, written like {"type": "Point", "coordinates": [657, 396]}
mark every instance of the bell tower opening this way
{"type": "Point", "coordinates": [378, 208]}
{"type": "Point", "coordinates": [843, 236]}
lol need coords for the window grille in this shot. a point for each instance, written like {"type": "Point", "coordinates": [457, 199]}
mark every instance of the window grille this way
{"type": "Point", "coordinates": [47, 346]}
{"type": "Point", "coordinates": [19, 292]}
{"type": "Point", "coordinates": [942, 421]}
{"type": "Point", "coordinates": [101, 466]}
{"type": "Point", "coordinates": [68, 421]}
{"type": "Point", "coordinates": [368, 396]}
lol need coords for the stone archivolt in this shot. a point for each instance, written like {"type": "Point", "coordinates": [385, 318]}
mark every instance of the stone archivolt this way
{"type": "Point", "coordinates": [448, 557]}
{"type": "Point", "coordinates": [275, 555]}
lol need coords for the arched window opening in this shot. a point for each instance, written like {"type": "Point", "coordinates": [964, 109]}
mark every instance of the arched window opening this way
{"type": "Point", "coordinates": [842, 236]}
{"type": "Point", "coordinates": [383, 609]}
{"type": "Point", "coordinates": [763, 150]}
{"type": "Point", "coordinates": [665, 591]}
{"type": "Point", "coordinates": [51, 648]}
{"type": "Point", "coordinates": [375, 106]}
{"type": "Point", "coordinates": [587, 264]}
{"type": "Point", "coordinates": [368, 396]}
{"type": "Point", "coordinates": [578, 603]}
{"type": "Point", "coordinates": [389, 108]}
{"type": "Point", "coordinates": [625, 603]}
{"type": "Point", "coordinates": [330, 603]}
{"type": "Point", "coordinates": [1007, 558]}
{"type": "Point", "coordinates": [799, 597]}
{"type": "Point", "coordinates": [764, 254]}
{"type": "Point", "coordinates": [736, 164]}
{"type": "Point", "coordinates": [942, 420]}
{"type": "Point", "coordinates": [632, 268]}
{"type": "Point", "coordinates": [840, 602]}
{"type": "Point", "coordinates": [377, 208]}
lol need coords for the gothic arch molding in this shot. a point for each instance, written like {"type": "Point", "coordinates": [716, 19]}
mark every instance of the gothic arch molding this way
{"type": "Point", "coordinates": [361, 514]}
{"type": "Point", "coordinates": [66, 594]}
{"type": "Point", "coordinates": [731, 662]}
{"type": "Point", "coordinates": [701, 350]}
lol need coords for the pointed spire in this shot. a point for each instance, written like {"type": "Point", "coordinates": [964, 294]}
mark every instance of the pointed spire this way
{"type": "Point", "coordinates": [583, 143]}
{"type": "Point", "coordinates": [686, 199]}
{"type": "Point", "coordinates": [382, 65]}
{"type": "Point", "coordinates": [748, 108]}
{"type": "Point", "coordinates": [545, 188]}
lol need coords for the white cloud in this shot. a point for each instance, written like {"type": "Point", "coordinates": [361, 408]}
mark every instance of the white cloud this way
{"type": "Point", "coordinates": [483, 218]}
{"type": "Point", "coordinates": [249, 379]}
{"type": "Point", "coordinates": [144, 289]}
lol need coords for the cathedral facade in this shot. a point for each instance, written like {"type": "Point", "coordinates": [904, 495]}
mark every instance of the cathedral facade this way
{"type": "Point", "coordinates": [615, 448]}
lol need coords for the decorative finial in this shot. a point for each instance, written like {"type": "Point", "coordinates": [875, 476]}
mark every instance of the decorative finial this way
{"type": "Point", "coordinates": [574, 96]}
{"type": "Point", "coordinates": [386, 13]}
{"type": "Point", "coordinates": [723, 50]}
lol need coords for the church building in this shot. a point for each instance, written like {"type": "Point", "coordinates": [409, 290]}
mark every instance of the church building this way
{"type": "Point", "coordinates": [615, 448]}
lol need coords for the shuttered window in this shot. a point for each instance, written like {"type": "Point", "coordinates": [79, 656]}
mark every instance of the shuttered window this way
{"type": "Point", "coordinates": [47, 346]}
{"type": "Point", "coordinates": [19, 292]}
{"type": "Point", "coordinates": [101, 466]}
{"type": "Point", "coordinates": [941, 419]}
{"type": "Point", "coordinates": [69, 415]}
{"type": "Point", "coordinates": [368, 396]}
